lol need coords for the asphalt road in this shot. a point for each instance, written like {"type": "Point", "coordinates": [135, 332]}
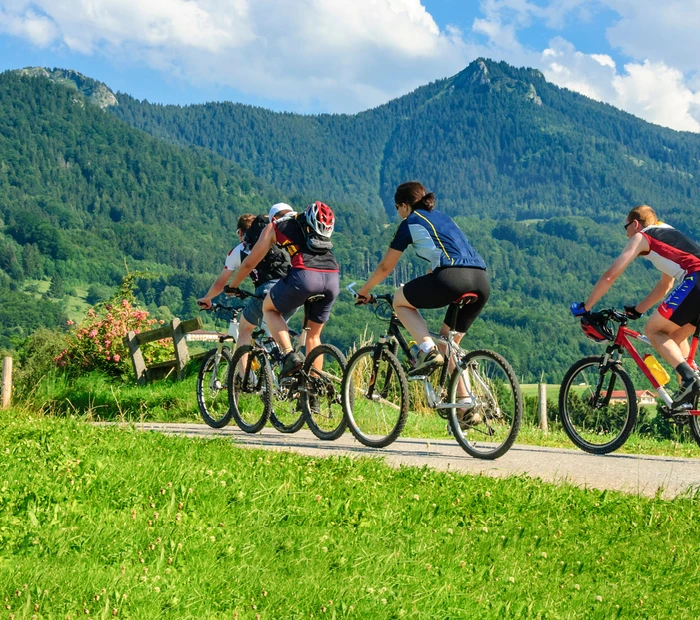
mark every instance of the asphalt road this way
{"type": "Point", "coordinates": [638, 474]}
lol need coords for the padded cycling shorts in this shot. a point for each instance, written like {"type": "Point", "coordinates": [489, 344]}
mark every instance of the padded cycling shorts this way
{"type": "Point", "coordinates": [682, 306]}
{"type": "Point", "coordinates": [298, 285]}
{"type": "Point", "coordinates": [445, 285]}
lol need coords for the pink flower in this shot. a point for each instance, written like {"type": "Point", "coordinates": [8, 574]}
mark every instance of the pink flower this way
{"type": "Point", "coordinates": [116, 357]}
{"type": "Point", "coordinates": [69, 322]}
{"type": "Point", "coordinates": [109, 358]}
{"type": "Point", "coordinates": [93, 333]}
{"type": "Point", "coordinates": [125, 303]}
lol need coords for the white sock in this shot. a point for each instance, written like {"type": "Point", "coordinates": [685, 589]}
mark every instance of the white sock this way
{"type": "Point", "coordinates": [427, 345]}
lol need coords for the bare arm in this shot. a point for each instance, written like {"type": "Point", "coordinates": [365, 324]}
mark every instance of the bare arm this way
{"type": "Point", "coordinates": [385, 267]}
{"type": "Point", "coordinates": [636, 245]}
{"type": "Point", "coordinates": [215, 288]}
{"type": "Point", "coordinates": [267, 239]}
{"type": "Point", "coordinates": [662, 288]}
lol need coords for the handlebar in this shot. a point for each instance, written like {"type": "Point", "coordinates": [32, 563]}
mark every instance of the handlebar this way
{"type": "Point", "coordinates": [613, 315]}
{"type": "Point", "coordinates": [373, 299]}
{"type": "Point", "coordinates": [216, 307]}
{"type": "Point", "coordinates": [240, 293]}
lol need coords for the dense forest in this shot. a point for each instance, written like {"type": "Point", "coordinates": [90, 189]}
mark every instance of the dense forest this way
{"type": "Point", "coordinates": [539, 179]}
{"type": "Point", "coordinates": [492, 140]}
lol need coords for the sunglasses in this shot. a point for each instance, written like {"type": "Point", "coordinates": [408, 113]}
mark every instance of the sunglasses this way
{"type": "Point", "coordinates": [629, 224]}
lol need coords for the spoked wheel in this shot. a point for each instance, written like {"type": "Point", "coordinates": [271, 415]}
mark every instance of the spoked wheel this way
{"type": "Point", "coordinates": [287, 414]}
{"type": "Point", "coordinates": [212, 391]}
{"type": "Point", "coordinates": [321, 399]}
{"type": "Point", "coordinates": [250, 388]}
{"type": "Point", "coordinates": [488, 423]}
{"type": "Point", "coordinates": [597, 405]}
{"type": "Point", "coordinates": [375, 396]}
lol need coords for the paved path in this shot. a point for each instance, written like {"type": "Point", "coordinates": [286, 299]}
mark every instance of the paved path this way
{"type": "Point", "coordinates": [623, 472]}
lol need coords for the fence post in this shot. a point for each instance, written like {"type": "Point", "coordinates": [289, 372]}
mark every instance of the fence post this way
{"type": "Point", "coordinates": [6, 382]}
{"type": "Point", "coordinates": [136, 358]}
{"type": "Point", "coordinates": [542, 406]}
{"type": "Point", "coordinates": [182, 355]}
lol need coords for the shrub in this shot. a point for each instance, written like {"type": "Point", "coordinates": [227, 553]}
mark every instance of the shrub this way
{"type": "Point", "coordinates": [98, 343]}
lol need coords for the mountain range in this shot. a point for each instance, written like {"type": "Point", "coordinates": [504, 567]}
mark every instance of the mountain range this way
{"type": "Point", "coordinates": [540, 178]}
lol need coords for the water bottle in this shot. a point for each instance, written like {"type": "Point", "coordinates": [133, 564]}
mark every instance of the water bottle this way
{"type": "Point", "coordinates": [414, 349]}
{"type": "Point", "coordinates": [656, 369]}
{"type": "Point", "coordinates": [233, 329]}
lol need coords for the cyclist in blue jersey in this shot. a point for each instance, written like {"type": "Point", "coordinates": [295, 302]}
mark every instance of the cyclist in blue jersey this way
{"type": "Point", "coordinates": [455, 269]}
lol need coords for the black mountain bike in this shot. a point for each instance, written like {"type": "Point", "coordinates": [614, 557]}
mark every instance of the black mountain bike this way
{"type": "Point", "coordinates": [312, 394]}
{"type": "Point", "coordinates": [212, 379]}
{"type": "Point", "coordinates": [477, 391]}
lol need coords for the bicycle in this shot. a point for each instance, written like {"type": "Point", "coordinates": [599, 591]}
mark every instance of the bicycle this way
{"type": "Point", "coordinates": [312, 394]}
{"type": "Point", "coordinates": [481, 399]}
{"type": "Point", "coordinates": [212, 377]}
{"type": "Point", "coordinates": [596, 418]}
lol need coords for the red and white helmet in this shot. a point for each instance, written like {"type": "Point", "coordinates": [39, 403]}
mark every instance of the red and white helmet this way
{"type": "Point", "coordinates": [321, 218]}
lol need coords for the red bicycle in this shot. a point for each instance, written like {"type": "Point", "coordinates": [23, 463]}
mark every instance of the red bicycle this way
{"type": "Point", "coordinates": [597, 400]}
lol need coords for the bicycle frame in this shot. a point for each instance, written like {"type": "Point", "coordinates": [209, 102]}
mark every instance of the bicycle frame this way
{"type": "Point", "coordinates": [394, 332]}
{"type": "Point", "coordinates": [622, 341]}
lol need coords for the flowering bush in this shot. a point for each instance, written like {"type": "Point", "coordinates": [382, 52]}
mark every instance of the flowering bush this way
{"type": "Point", "coordinates": [98, 343]}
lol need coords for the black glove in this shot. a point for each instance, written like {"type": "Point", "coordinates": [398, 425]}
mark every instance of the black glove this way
{"type": "Point", "coordinates": [632, 312]}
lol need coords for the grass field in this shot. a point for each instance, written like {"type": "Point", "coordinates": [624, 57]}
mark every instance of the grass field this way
{"type": "Point", "coordinates": [108, 522]}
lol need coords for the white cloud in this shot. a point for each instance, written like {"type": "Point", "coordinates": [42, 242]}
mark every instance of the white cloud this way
{"type": "Point", "coordinates": [27, 24]}
{"type": "Point", "coordinates": [346, 55]}
{"type": "Point", "coordinates": [652, 91]}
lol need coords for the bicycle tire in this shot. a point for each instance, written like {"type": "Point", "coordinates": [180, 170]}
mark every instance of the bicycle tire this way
{"type": "Point", "coordinates": [694, 423]}
{"type": "Point", "coordinates": [287, 414]}
{"type": "Point", "coordinates": [328, 421]}
{"type": "Point", "coordinates": [489, 427]}
{"type": "Point", "coordinates": [586, 417]}
{"type": "Point", "coordinates": [377, 422]}
{"type": "Point", "coordinates": [250, 397]}
{"type": "Point", "coordinates": [214, 407]}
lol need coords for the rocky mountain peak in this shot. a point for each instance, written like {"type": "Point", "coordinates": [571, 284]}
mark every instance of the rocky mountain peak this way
{"type": "Point", "coordinates": [95, 92]}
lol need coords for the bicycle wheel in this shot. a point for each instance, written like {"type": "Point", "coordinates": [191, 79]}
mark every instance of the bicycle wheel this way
{"type": "Point", "coordinates": [488, 424]}
{"type": "Point", "coordinates": [287, 414]}
{"type": "Point", "coordinates": [694, 423]}
{"type": "Point", "coordinates": [321, 399]}
{"type": "Point", "coordinates": [375, 396]}
{"type": "Point", "coordinates": [212, 393]}
{"type": "Point", "coordinates": [597, 406]}
{"type": "Point", "coordinates": [250, 388]}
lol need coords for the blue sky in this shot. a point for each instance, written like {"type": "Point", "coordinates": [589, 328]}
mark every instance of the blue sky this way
{"type": "Point", "coordinates": [348, 55]}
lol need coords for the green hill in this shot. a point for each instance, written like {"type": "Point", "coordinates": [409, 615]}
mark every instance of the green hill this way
{"type": "Point", "coordinates": [81, 190]}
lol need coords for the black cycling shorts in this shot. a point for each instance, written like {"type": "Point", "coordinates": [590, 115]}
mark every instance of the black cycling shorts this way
{"type": "Point", "coordinates": [444, 286]}
{"type": "Point", "coordinates": [682, 306]}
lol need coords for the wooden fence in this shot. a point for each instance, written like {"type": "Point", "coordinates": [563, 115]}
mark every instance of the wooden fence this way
{"type": "Point", "coordinates": [176, 331]}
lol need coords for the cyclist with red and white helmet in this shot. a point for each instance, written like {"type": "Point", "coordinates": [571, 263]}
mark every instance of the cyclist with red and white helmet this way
{"type": "Point", "coordinates": [678, 259]}
{"type": "Point", "coordinates": [314, 271]}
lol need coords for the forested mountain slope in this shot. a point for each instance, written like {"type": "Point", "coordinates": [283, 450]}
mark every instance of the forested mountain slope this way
{"type": "Point", "coordinates": [493, 140]}
{"type": "Point", "coordinates": [80, 192]}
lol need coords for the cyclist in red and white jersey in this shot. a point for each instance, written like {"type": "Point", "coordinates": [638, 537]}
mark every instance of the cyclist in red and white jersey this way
{"type": "Point", "coordinates": [314, 271]}
{"type": "Point", "coordinates": [677, 257]}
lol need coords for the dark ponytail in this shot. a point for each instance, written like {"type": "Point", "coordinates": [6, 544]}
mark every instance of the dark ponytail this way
{"type": "Point", "coordinates": [414, 195]}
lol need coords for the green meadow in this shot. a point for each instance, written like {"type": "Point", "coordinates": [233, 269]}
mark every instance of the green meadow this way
{"type": "Point", "coordinates": [104, 522]}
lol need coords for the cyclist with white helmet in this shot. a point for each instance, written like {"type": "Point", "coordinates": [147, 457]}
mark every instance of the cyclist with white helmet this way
{"type": "Point", "coordinates": [314, 271]}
